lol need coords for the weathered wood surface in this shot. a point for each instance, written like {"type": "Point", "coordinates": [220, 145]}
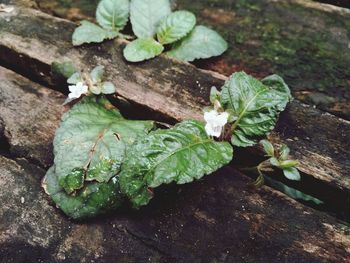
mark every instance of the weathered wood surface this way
{"type": "Point", "coordinates": [31, 40]}
{"type": "Point", "coordinates": [218, 219]}
{"type": "Point", "coordinates": [304, 41]}
{"type": "Point", "coordinates": [29, 138]}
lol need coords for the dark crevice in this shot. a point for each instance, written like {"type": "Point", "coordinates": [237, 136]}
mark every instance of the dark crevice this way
{"type": "Point", "coordinates": [135, 111]}
{"type": "Point", "coordinates": [341, 3]}
{"type": "Point", "coordinates": [28, 67]}
{"type": "Point", "coordinates": [334, 201]}
{"type": "Point", "coordinates": [4, 140]}
{"type": "Point", "coordinates": [39, 72]}
{"type": "Point", "coordinates": [7, 150]}
{"type": "Point", "coordinates": [30, 160]}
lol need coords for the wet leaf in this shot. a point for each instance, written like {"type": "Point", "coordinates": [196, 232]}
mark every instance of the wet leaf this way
{"type": "Point", "coordinates": [255, 105]}
{"type": "Point", "coordinates": [73, 181]}
{"type": "Point", "coordinates": [175, 26]}
{"type": "Point", "coordinates": [145, 16]}
{"type": "Point", "coordinates": [88, 32]}
{"type": "Point", "coordinates": [292, 174]}
{"type": "Point", "coordinates": [180, 154]}
{"type": "Point", "coordinates": [201, 43]}
{"type": "Point", "coordinates": [142, 49]}
{"type": "Point", "coordinates": [74, 79]}
{"type": "Point", "coordinates": [284, 152]}
{"type": "Point", "coordinates": [97, 73]}
{"type": "Point", "coordinates": [92, 200]}
{"type": "Point", "coordinates": [112, 14]}
{"type": "Point", "coordinates": [108, 88]}
{"type": "Point", "coordinates": [86, 137]}
{"type": "Point", "coordinates": [89, 147]}
{"type": "Point", "coordinates": [268, 148]}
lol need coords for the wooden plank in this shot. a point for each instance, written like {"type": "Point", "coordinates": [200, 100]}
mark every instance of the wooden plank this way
{"type": "Point", "coordinates": [217, 219]}
{"type": "Point", "coordinates": [28, 130]}
{"type": "Point", "coordinates": [32, 230]}
{"type": "Point", "coordinates": [304, 41]}
{"type": "Point", "coordinates": [299, 39]}
{"type": "Point", "coordinates": [175, 91]}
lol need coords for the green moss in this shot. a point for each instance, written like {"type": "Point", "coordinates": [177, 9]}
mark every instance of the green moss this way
{"type": "Point", "coordinates": [305, 46]}
{"type": "Point", "coordinates": [60, 7]}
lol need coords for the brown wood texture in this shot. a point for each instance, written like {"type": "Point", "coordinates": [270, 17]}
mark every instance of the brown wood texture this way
{"type": "Point", "coordinates": [31, 40]}
{"type": "Point", "coordinates": [217, 219]}
{"type": "Point", "coordinates": [304, 41]}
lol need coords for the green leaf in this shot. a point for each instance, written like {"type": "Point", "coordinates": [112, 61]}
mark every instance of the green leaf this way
{"type": "Point", "coordinates": [268, 148]}
{"type": "Point", "coordinates": [91, 133]}
{"type": "Point", "coordinates": [274, 161]}
{"type": "Point", "coordinates": [98, 86]}
{"type": "Point", "coordinates": [101, 172]}
{"type": "Point", "coordinates": [145, 16]}
{"type": "Point", "coordinates": [88, 32]}
{"type": "Point", "coordinates": [95, 89]}
{"type": "Point", "coordinates": [112, 14]}
{"type": "Point", "coordinates": [288, 164]}
{"type": "Point", "coordinates": [276, 83]}
{"type": "Point", "coordinates": [74, 79]}
{"type": "Point", "coordinates": [201, 43]}
{"type": "Point", "coordinates": [292, 174]}
{"type": "Point", "coordinates": [284, 152]}
{"type": "Point", "coordinates": [89, 147]}
{"type": "Point", "coordinates": [142, 49]}
{"type": "Point", "coordinates": [66, 68]}
{"type": "Point", "coordinates": [180, 154]}
{"type": "Point", "coordinates": [93, 199]}
{"type": "Point", "coordinates": [108, 88]}
{"type": "Point", "coordinates": [97, 74]}
{"type": "Point", "coordinates": [175, 26]}
{"type": "Point", "coordinates": [256, 106]}
{"type": "Point", "coordinates": [295, 194]}
{"type": "Point", "coordinates": [214, 95]}
{"type": "Point", "coordinates": [73, 181]}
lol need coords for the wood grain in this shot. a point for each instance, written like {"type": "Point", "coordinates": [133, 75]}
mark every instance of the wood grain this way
{"type": "Point", "coordinates": [217, 219]}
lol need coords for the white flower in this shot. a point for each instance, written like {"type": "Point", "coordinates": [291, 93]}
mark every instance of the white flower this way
{"type": "Point", "coordinates": [215, 122]}
{"type": "Point", "coordinates": [77, 90]}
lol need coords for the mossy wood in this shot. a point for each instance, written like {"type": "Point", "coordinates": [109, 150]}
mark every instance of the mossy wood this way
{"type": "Point", "coordinates": [306, 42]}
{"type": "Point", "coordinates": [173, 91]}
{"type": "Point", "coordinates": [218, 219]}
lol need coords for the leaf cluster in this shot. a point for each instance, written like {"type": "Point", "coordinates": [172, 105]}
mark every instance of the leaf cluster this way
{"type": "Point", "coordinates": [89, 148]}
{"type": "Point", "coordinates": [156, 27]}
{"type": "Point", "coordinates": [95, 81]}
{"type": "Point", "coordinates": [280, 158]}
{"type": "Point", "coordinates": [111, 16]}
{"type": "Point", "coordinates": [103, 159]}
{"type": "Point", "coordinates": [254, 105]}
